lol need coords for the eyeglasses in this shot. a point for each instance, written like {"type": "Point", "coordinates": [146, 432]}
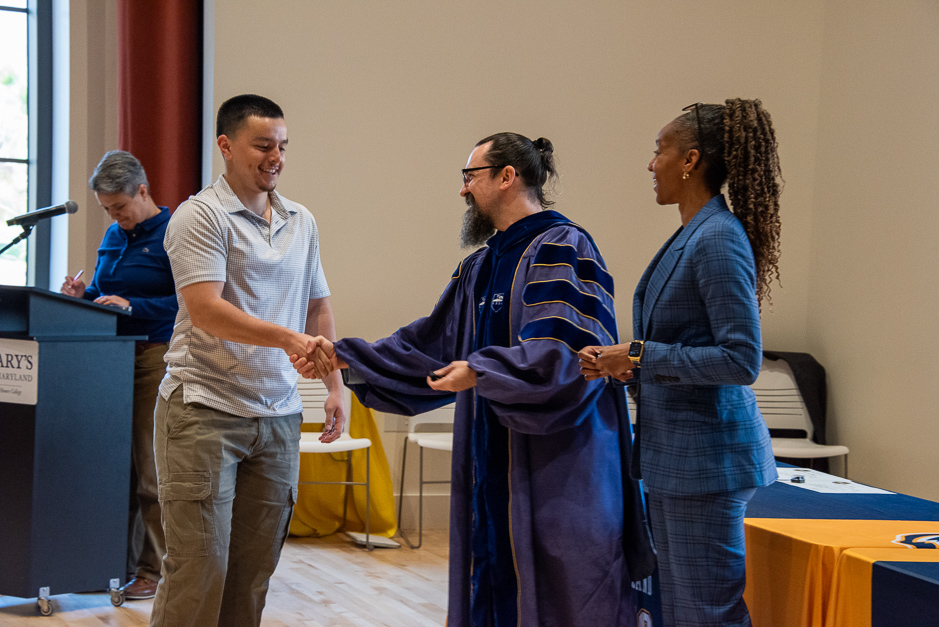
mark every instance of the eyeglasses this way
{"type": "Point", "coordinates": [466, 181]}
{"type": "Point", "coordinates": [697, 129]}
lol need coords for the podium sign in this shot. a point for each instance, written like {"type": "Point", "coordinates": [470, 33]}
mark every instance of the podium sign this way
{"type": "Point", "coordinates": [19, 361]}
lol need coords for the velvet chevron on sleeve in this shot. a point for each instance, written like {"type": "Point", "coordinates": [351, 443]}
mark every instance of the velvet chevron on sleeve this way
{"type": "Point", "coordinates": [562, 300]}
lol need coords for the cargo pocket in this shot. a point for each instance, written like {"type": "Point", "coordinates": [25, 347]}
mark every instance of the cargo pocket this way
{"type": "Point", "coordinates": [187, 513]}
{"type": "Point", "coordinates": [285, 520]}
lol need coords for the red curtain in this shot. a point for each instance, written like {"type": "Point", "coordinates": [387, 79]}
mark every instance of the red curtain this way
{"type": "Point", "coordinates": [160, 93]}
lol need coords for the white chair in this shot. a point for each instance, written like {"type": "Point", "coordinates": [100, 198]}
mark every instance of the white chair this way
{"type": "Point", "coordinates": [781, 404]}
{"type": "Point", "coordinates": [313, 393]}
{"type": "Point", "coordinates": [631, 405]}
{"type": "Point", "coordinates": [436, 440]}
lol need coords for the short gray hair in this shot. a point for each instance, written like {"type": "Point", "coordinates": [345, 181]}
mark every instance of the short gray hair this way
{"type": "Point", "coordinates": [118, 171]}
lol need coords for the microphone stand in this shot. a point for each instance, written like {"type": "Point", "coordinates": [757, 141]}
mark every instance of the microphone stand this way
{"type": "Point", "coordinates": [27, 229]}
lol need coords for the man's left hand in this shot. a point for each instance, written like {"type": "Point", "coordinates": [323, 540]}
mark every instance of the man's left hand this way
{"type": "Point", "coordinates": [335, 417]}
{"type": "Point", "coordinates": [456, 377]}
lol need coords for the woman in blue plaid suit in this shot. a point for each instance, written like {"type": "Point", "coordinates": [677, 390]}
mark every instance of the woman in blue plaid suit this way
{"type": "Point", "coordinates": [703, 445]}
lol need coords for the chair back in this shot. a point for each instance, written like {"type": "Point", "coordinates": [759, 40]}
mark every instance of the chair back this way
{"type": "Point", "coordinates": [433, 419]}
{"type": "Point", "coordinates": [313, 394]}
{"type": "Point", "coordinates": [631, 405]}
{"type": "Point", "coordinates": [780, 401]}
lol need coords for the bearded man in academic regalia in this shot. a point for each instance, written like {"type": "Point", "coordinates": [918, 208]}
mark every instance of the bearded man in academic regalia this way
{"type": "Point", "coordinates": [547, 528]}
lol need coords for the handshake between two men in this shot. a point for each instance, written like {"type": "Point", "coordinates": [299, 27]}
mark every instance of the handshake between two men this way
{"type": "Point", "coordinates": [322, 360]}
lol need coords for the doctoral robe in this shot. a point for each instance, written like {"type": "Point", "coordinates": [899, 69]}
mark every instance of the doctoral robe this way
{"type": "Point", "coordinates": [546, 528]}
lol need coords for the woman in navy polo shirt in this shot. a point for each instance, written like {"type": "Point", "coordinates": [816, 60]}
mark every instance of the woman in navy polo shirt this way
{"type": "Point", "coordinates": [133, 271]}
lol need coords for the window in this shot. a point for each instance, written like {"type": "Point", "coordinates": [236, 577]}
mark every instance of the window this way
{"type": "Point", "coordinates": [14, 136]}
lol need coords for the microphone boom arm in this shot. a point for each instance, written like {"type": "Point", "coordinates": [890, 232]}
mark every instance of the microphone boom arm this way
{"type": "Point", "coordinates": [27, 229]}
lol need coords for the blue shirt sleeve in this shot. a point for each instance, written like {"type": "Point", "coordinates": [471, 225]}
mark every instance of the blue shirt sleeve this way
{"type": "Point", "coordinates": [134, 265]}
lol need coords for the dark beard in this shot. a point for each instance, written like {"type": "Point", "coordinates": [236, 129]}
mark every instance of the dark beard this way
{"type": "Point", "coordinates": [477, 228]}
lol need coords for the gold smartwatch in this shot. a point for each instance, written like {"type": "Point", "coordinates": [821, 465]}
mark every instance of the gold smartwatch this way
{"type": "Point", "coordinates": [635, 351]}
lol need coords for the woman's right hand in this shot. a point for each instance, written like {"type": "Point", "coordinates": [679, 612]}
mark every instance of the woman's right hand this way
{"type": "Point", "coordinates": [606, 361]}
{"type": "Point", "coordinates": [71, 287]}
{"type": "Point", "coordinates": [589, 366]}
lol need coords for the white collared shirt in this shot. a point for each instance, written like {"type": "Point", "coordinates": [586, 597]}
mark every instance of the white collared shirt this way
{"type": "Point", "coordinates": [270, 271]}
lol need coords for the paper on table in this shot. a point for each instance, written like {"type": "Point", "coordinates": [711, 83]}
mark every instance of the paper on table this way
{"type": "Point", "coordinates": [821, 482]}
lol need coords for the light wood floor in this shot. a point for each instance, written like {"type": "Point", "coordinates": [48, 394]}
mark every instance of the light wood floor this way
{"type": "Point", "coordinates": [319, 582]}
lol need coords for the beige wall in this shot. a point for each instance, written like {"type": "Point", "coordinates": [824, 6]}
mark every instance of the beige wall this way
{"type": "Point", "coordinates": [92, 122]}
{"type": "Point", "coordinates": [874, 280]}
{"type": "Point", "coordinates": [384, 102]}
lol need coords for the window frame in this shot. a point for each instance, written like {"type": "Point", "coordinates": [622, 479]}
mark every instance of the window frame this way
{"type": "Point", "coordinates": [40, 115]}
{"type": "Point", "coordinates": [40, 136]}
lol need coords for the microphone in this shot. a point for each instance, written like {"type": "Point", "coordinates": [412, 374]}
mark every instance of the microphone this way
{"type": "Point", "coordinates": [31, 218]}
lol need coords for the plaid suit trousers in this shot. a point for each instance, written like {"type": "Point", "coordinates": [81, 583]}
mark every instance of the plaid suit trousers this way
{"type": "Point", "coordinates": [699, 539]}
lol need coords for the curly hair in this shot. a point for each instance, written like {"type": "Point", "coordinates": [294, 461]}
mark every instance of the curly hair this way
{"type": "Point", "coordinates": [738, 146]}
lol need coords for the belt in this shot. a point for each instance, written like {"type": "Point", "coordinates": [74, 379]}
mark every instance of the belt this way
{"type": "Point", "coordinates": [140, 347]}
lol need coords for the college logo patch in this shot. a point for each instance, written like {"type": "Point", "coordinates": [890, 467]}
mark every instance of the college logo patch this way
{"type": "Point", "coordinates": [497, 302]}
{"type": "Point", "coordinates": [918, 540]}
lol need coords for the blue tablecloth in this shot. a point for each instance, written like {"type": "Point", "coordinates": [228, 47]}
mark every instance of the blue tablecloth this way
{"type": "Point", "coordinates": [905, 593]}
{"type": "Point", "coordinates": [780, 500]}
{"type": "Point", "coordinates": [791, 565]}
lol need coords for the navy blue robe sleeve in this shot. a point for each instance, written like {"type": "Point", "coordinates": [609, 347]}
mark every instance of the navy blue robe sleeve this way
{"type": "Point", "coordinates": [394, 370]}
{"type": "Point", "coordinates": [562, 300]}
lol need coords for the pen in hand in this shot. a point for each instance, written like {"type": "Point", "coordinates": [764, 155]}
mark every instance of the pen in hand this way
{"type": "Point", "coordinates": [77, 276]}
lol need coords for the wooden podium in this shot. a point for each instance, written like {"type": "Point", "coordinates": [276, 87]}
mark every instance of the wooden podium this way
{"type": "Point", "coordinates": [64, 456]}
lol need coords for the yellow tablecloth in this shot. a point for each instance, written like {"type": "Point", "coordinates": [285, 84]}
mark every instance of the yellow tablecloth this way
{"type": "Point", "coordinates": [850, 604]}
{"type": "Point", "coordinates": [319, 507]}
{"type": "Point", "coordinates": [791, 563]}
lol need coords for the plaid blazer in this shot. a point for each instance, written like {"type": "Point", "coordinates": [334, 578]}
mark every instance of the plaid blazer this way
{"type": "Point", "coordinates": [696, 309]}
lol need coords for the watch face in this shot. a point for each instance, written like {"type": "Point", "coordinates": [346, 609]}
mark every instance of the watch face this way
{"type": "Point", "coordinates": [635, 349]}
